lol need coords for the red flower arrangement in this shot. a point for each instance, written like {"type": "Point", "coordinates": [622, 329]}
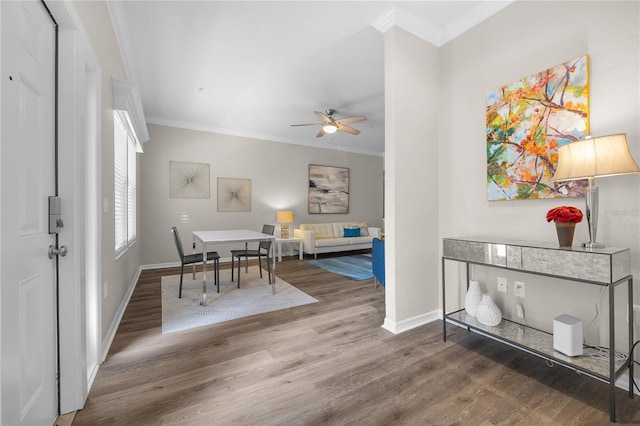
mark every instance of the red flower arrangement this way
{"type": "Point", "coordinates": [564, 214]}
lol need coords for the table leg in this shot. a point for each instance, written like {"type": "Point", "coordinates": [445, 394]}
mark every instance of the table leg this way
{"type": "Point", "coordinates": [300, 253]}
{"type": "Point", "coordinates": [193, 250]}
{"type": "Point", "coordinates": [631, 327]}
{"type": "Point", "coordinates": [612, 357]}
{"type": "Point", "coordinates": [246, 259]}
{"type": "Point", "coordinates": [203, 302]}
{"type": "Point", "coordinates": [279, 247]}
{"type": "Point", "coordinates": [273, 271]}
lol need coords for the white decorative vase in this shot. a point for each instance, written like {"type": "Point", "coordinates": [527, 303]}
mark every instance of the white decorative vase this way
{"type": "Point", "coordinates": [488, 312]}
{"type": "Point", "coordinates": [473, 298]}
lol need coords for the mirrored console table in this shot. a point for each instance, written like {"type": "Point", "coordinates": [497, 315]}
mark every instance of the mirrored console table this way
{"type": "Point", "coordinates": [608, 267]}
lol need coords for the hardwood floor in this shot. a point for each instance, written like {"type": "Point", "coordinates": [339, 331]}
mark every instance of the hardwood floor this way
{"type": "Point", "coordinates": [328, 363]}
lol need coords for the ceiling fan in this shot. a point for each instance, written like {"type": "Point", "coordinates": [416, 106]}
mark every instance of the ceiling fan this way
{"type": "Point", "coordinates": [331, 125]}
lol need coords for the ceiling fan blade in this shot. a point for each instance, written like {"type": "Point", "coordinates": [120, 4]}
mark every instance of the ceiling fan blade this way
{"type": "Point", "coordinates": [324, 118]}
{"type": "Point", "coordinates": [351, 119]}
{"type": "Point", "coordinates": [348, 129]}
{"type": "Point", "coordinates": [341, 125]}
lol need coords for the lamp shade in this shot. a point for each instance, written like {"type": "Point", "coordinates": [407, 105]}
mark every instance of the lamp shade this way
{"type": "Point", "coordinates": [595, 157]}
{"type": "Point", "coordinates": [284, 216]}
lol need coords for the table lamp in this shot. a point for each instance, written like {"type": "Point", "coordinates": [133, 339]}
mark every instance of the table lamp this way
{"type": "Point", "coordinates": [591, 158]}
{"type": "Point", "coordinates": [284, 218]}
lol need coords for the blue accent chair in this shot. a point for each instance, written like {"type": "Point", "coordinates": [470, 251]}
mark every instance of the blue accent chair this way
{"type": "Point", "coordinates": [377, 261]}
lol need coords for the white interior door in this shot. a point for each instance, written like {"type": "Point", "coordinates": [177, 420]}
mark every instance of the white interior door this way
{"type": "Point", "coordinates": [27, 155]}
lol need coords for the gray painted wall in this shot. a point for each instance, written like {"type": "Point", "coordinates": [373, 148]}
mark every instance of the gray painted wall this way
{"type": "Point", "coordinates": [118, 273]}
{"type": "Point", "coordinates": [279, 175]}
{"type": "Point", "coordinates": [523, 39]}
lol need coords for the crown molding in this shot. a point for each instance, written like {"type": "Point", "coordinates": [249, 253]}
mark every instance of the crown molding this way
{"type": "Point", "coordinates": [222, 131]}
{"type": "Point", "coordinates": [429, 31]}
{"type": "Point", "coordinates": [385, 21]}
{"type": "Point", "coordinates": [398, 17]}
{"type": "Point", "coordinates": [421, 28]}
{"type": "Point", "coordinates": [473, 18]}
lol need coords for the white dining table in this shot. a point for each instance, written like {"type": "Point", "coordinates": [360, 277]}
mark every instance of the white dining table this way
{"type": "Point", "coordinates": [206, 238]}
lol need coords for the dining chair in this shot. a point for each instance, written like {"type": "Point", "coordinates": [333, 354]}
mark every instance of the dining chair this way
{"type": "Point", "coordinates": [264, 249]}
{"type": "Point", "coordinates": [192, 259]}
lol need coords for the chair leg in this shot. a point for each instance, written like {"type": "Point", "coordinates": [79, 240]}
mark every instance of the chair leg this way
{"type": "Point", "coordinates": [269, 269]}
{"type": "Point", "coordinates": [246, 259]}
{"type": "Point", "coordinates": [260, 265]}
{"type": "Point", "coordinates": [232, 256]}
{"type": "Point", "coordinates": [181, 274]}
{"type": "Point", "coordinates": [239, 266]}
{"type": "Point", "coordinates": [216, 265]}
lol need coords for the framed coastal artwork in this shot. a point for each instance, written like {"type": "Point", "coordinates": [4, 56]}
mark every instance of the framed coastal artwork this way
{"type": "Point", "coordinates": [526, 122]}
{"type": "Point", "coordinates": [328, 189]}
{"type": "Point", "coordinates": [234, 195]}
{"type": "Point", "coordinates": [188, 180]}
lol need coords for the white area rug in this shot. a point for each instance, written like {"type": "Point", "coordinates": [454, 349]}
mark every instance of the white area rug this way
{"type": "Point", "coordinates": [253, 297]}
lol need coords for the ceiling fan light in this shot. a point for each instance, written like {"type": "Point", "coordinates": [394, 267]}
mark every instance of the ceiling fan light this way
{"type": "Point", "coordinates": [329, 128]}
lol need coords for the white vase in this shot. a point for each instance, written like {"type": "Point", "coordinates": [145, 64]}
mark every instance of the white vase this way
{"type": "Point", "coordinates": [473, 298]}
{"type": "Point", "coordinates": [488, 312]}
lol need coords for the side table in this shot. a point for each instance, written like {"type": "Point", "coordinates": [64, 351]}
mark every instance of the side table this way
{"type": "Point", "coordinates": [294, 241]}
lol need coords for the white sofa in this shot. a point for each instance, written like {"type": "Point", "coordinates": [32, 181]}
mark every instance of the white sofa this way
{"type": "Point", "coordinates": [329, 237]}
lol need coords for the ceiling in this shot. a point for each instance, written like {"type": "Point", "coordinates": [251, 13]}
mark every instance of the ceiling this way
{"type": "Point", "coordinates": [255, 68]}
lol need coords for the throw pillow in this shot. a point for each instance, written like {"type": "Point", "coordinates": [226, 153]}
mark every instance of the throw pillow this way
{"type": "Point", "coordinates": [351, 232]}
{"type": "Point", "coordinates": [364, 232]}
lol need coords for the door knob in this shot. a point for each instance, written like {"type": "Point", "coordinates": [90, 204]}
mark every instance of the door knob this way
{"type": "Point", "coordinates": [53, 252]}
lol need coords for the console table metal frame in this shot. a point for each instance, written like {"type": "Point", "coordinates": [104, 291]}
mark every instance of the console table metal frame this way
{"type": "Point", "coordinates": [459, 317]}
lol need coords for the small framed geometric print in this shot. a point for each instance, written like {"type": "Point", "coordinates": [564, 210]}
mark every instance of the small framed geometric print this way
{"type": "Point", "coordinates": [188, 180]}
{"type": "Point", "coordinates": [234, 195]}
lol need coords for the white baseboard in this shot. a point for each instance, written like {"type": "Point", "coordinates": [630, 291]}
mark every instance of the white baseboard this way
{"type": "Point", "coordinates": [177, 264]}
{"type": "Point", "coordinates": [92, 376]}
{"type": "Point", "coordinates": [411, 323]}
{"type": "Point", "coordinates": [111, 333]}
{"type": "Point", "coordinates": [159, 266]}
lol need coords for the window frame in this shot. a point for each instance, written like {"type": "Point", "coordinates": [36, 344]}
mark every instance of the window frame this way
{"type": "Point", "coordinates": [125, 147]}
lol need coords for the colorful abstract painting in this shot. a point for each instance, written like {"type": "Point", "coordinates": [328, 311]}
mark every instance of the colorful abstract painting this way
{"type": "Point", "coordinates": [527, 121]}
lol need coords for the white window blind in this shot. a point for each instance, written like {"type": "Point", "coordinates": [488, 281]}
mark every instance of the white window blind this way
{"type": "Point", "coordinates": [124, 147]}
{"type": "Point", "coordinates": [131, 191]}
